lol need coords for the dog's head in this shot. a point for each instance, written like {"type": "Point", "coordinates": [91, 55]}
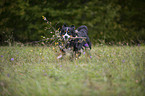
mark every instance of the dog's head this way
{"type": "Point", "coordinates": [66, 32]}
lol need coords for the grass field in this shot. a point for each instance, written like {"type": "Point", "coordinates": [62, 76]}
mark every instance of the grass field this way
{"type": "Point", "coordinates": [35, 71]}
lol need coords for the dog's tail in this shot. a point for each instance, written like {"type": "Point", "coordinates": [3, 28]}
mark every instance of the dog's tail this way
{"type": "Point", "coordinates": [83, 27]}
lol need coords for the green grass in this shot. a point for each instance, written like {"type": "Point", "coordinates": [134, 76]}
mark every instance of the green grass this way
{"type": "Point", "coordinates": [35, 71]}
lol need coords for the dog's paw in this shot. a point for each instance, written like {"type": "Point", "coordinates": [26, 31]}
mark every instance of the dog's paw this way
{"type": "Point", "coordinates": [60, 56]}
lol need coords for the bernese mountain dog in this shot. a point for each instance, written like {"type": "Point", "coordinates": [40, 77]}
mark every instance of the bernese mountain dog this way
{"type": "Point", "coordinates": [75, 40]}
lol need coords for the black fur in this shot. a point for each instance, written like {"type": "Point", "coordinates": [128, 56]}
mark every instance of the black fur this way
{"type": "Point", "coordinates": [83, 32]}
{"type": "Point", "coordinates": [75, 44]}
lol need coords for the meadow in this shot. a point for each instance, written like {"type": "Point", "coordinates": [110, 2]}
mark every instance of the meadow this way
{"type": "Point", "coordinates": [36, 71]}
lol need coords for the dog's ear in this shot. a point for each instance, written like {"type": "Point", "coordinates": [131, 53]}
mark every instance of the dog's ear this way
{"type": "Point", "coordinates": [72, 26]}
{"type": "Point", "coordinates": [59, 27]}
{"type": "Point", "coordinates": [64, 25]}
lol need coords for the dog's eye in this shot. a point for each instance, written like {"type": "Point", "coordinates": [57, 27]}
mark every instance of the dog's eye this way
{"type": "Point", "coordinates": [62, 32]}
{"type": "Point", "coordinates": [69, 33]}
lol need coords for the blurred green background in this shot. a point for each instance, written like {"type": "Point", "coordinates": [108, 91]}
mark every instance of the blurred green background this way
{"type": "Point", "coordinates": [110, 21]}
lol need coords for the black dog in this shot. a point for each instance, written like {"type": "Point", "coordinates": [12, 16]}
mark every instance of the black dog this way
{"type": "Point", "coordinates": [75, 44]}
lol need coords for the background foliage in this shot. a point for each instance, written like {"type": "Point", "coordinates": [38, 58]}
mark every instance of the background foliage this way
{"type": "Point", "coordinates": [108, 20]}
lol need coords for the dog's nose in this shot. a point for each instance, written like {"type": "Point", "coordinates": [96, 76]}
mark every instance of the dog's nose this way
{"type": "Point", "coordinates": [66, 37]}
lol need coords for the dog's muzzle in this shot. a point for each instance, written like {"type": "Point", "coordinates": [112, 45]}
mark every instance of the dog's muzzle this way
{"type": "Point", "coordinates": [66, 37]}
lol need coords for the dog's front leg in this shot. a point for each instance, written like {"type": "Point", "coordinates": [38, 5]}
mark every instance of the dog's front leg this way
{"type": "Point", "coordinates": [62, 50]}
{"type": "Point", "coordinates": [61, 54]}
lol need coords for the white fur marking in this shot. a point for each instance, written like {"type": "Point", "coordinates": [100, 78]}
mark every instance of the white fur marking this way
{"type": "Point", "coordinates": [59, 56]}
{"type": "Point", "coordinates": [66, 35]}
